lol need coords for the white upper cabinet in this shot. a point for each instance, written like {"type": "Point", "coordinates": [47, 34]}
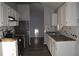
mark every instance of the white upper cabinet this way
{"type": "Point", "coordinates": [71, 14]}
{"type": "Point", "coordinates": [78, 13]}
{"type": "Point", "coordinates": [16, 16]}
{"type": "Point", "coordinates": [13, 13]}
{"type": "Point", "coordinates": [54, 19]}
{"type": "Point", "coordinates": [67, 14]}
{"type": "Point", "coordinates": [0, 15]}
{"type": "Point", "coordinates": [3, 14]}
{"type": "Point", "coordinates": [61, 17]}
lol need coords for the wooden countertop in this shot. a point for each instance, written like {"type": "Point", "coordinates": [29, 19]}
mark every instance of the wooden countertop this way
{"type": "Point", "coordinates": [7, 39]}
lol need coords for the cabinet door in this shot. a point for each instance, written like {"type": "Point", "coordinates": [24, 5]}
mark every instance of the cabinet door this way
{"type": "Point", "coordinates": [71, 14]}
{"type": "Point", "coordinates": [54, 19]}
{"type": "Point", "coordinates": [63, 15]}
{"type": "Point", "coordinates": [78, 13]}
{"type": "Point", "coordinates": [53, 48]}
{"type": "Point", "coordinates": [12, 12]}
{"type": "Point", "coordinates": [17, 18]}
{"type": "Point", "coordinates": [9, 11]}
{"type": "Point", "coordinates": [50, 44]}
{"type": "Point", "coordinates": [12, 48]}
{"type": "Point", "coordinates": [1, 9]}
{"type": "Point", "coordinates": [47, 42]}
{"type": "Point", "coordinates": [5, 14]}
{"type": "Point", "coordinates": [0, 48]}
{"type": "Point", "coordinates": [67, 15]}
{"type": "Point", "coordinates": [59, 19]}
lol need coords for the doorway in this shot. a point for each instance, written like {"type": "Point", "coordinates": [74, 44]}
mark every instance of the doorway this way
{"type": "Point", "coordinates": [36, 25]}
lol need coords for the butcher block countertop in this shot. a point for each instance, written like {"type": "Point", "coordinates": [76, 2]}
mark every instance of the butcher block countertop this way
{"type": "Point", "coordinates": [7, 39]}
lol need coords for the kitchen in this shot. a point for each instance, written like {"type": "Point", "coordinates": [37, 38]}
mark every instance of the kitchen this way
{"type": "Point", "coordinates": [33, 26]}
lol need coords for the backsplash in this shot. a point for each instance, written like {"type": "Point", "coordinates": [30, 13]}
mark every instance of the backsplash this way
{"type": "Point", "coordinates": [6, 28]}
{"type": "Point", "coordinates": [71, 31]}
{"type": "Point", "coordinates": [2, 29]}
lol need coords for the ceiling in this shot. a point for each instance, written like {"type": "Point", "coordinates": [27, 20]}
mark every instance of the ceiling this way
{"type": "Point", "coordinates": [51, 5]}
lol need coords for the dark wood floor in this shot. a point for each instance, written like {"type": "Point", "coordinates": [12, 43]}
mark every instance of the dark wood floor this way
{"type": "Point", "coordinates": [36, 49]}
{"type": "Point", "coordinates": [41, 51]}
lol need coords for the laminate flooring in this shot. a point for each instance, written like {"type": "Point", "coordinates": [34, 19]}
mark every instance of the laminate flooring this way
{"type": "Point", "coordinates": [39, 51]}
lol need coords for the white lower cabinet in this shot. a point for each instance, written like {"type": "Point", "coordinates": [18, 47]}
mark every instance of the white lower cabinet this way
{"type": "Point", "coordinates": [53, 48]}
{"type": "Point", "coordinates": [65, 48]}
{"type": "Point", "coordinates": [61, 48]}
{"type": "Point", "coordinates": [8, 48]}
{"type": "Point", "coordinates": [51, 45]}
{"type": "Point", "coordinates": [0, 48]}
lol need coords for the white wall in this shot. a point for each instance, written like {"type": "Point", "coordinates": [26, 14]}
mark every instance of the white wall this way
{"type": "Point", "coordinates": [24, 11]}
{"type": "Point", "coordinates": [36, 19]}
